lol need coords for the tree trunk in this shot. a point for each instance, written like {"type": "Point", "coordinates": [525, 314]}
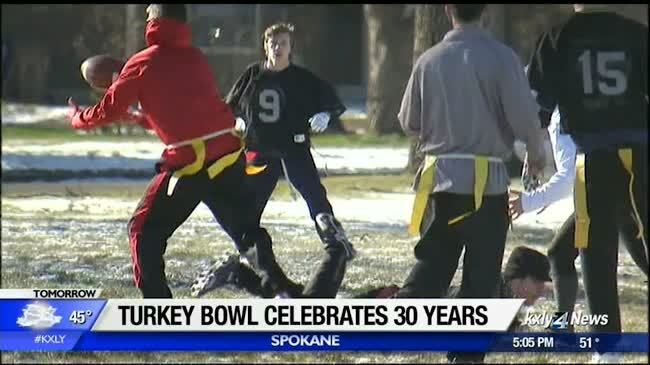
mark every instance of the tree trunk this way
{"type": "Point", "coordinates": [135, 15]}
{"type": "Point", "coordinates": [388, 69]}
{"type": "Point", "coordinates": [32, 65]}
{"type": "Point", "coordinates": [494, 20]}
{"type": "Point", "coordinates": [308, 50]}
{"type": "Point", "coordinates": [431, 25]}
{"type": "Point", "coordinates": [135, 21]}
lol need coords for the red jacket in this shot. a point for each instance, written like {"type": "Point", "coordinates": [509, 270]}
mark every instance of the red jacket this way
{"type": "Point", "coordinates": [175, 87]}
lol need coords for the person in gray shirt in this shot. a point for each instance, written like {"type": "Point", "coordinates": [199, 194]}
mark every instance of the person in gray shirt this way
{"type": "Point", "coordinates": [467, 100]}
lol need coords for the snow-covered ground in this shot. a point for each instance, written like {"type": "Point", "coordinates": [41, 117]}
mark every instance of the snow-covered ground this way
{"type": "Point", "coordinates": [95, 156]}
{"type": "Point", "coordinates": [141, 156]}
{"type": "Point", "coordinates": [17, 113]}
{"type": "Point", "coordinates": [550, 218]}
{"type": "Point", "coordinates": [395, 209]}
{"type": "Point", "coordinates": [385, 210]}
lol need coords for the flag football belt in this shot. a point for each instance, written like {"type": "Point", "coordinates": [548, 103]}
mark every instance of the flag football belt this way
{"type": "Point", "coordinates": [198, 145]}
{"type": "Point", "coordinates": [206, 137]}
{"type": "Point", "coordinates": [254, 170]}
{"type": "Point", "coordinates": [581, 239]}
{"type": "Point", "coordinates": [427, 184]}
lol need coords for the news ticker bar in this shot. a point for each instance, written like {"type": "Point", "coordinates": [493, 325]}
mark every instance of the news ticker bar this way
{"type": "Point", "coordinates": [259, 315]}
{"type": "Point", "coordinates": [77, 320]}
{"type": "Point", "coordinates": [324, 341]}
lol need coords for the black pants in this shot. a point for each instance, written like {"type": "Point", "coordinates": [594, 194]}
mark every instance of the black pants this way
{"type": "Point", "coordinates": [562, 255]}
{"type": "Point", "coordinates": [482, 234]}
{"type": "Point", "coordinates": [303, 175]}
{"type": "Point", "coordinates": [159, 214]}
{"type": "Point", "coordinates": [609, 202]}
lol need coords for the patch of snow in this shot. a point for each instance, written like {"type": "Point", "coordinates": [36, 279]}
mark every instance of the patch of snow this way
{"type": "Point", "coordinates": [19, 113]}
{"type": "Point", "coordinates": [550, 218]}
{"type": "Point", "coordinates": [95, 156]}
{"type": "Point", "coordinates": [377, 211]}
{"type": "Point", "coordinates": [13, 113]}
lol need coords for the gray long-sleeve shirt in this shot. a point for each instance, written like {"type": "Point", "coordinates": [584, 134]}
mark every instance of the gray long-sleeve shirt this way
{"type": "Point", "coordinates": [469, 95]}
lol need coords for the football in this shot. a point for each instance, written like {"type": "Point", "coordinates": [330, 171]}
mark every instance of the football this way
{"type": "Point", "coordinates": [99, 70]}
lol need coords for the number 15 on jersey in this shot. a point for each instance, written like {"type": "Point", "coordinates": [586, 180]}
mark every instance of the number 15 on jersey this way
{"type": "Point", "coordinates": [609, 79]}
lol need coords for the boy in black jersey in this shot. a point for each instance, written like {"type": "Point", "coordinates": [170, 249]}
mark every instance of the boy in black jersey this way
{"type": "Point", "coordinates": [280, 102]}
{"type": "Point", "coordinates": [594, 68]}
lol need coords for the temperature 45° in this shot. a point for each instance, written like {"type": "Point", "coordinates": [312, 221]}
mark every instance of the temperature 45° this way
{"type": "Point", "coordinates": [80, 317]}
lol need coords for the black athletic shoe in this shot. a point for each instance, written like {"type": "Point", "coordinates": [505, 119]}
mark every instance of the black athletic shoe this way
{"type": "Point", "coordinates": [331, 233]}
{"type": "Point", "coordinates": [216, 276]}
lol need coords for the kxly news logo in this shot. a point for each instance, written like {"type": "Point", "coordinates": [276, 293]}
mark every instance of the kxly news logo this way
{"type": "Point", "coordinates": [564, 320]}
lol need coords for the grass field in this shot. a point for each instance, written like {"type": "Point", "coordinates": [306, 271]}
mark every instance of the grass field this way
{"type": "Point", "coordinates": [74, 235]}
{"type": "Point", "coordinates": [57, 132]}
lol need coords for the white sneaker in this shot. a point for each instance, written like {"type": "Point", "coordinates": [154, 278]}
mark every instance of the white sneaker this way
{"type": "Point", "coordinates": [607, 358]}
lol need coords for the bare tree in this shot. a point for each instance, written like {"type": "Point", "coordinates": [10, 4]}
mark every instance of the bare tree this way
{"type": "Point", "coordinates": [431, 24]}
{"type": "Point", "coordinates": [388, 69]}
{"type": "Point", "coordinates": [528, 21]}
{"type": "Point", "coordinates": [134, 29]}
{"type": "Point", "coordinates": [118, 31]}
{"type": "Point", "coordinates": [495, 20]}
{"type": "Point", "coordinates": [36, 31]}
{"type": "Point", "coordinates": [134, 15]}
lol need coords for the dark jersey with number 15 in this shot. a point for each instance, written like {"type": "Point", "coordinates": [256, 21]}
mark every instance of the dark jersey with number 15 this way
{"type": "Point", "coordinates": [594, 67]}
{"type": "Point", "coordinates": [277, 105]}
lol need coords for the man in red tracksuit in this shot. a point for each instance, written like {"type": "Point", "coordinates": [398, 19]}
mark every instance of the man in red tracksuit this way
{"type": "Point", "coordinates": [202, 161]}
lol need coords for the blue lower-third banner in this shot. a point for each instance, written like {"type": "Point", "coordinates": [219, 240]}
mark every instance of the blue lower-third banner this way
{"type": "Point", "coordinates": [71, 340]}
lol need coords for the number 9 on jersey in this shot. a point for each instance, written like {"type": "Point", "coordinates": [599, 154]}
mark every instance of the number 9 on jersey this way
{"type": "Point", "coordinates": [269, 102]}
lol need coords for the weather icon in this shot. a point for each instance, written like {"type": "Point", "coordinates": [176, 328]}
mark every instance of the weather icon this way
{"type": "Point", "coordinates": [38, 315]}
